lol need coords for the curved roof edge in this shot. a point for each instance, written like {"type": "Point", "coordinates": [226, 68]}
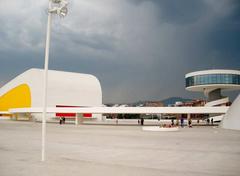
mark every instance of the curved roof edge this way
{"type": "Point", "coordinates": [57, 71]}
{"type": "Point", "coordinates": [231, 119]}
{"type": "Point", "coordinates": [129, 110]}
{"type": "Point", "coordinates": [200, 88]}
{"type": "Point", "coordinates": [213, 71]}
{"type": "Point", "coordinates": [37, 71]}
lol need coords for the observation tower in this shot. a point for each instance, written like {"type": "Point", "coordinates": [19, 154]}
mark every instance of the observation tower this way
{"type": "Point", "coordinates": [212, 82]}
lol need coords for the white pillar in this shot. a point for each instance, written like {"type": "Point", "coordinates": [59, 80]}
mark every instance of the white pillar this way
{"type": "Point", "coordinates": [76, 119]}
{"type": "Point", "coordinates": [80, 118]}
{"type": "Point", "coordinates": [45, 81]}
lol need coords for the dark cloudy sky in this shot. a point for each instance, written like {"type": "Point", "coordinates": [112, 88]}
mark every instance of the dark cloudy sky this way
{"type": "Point", "coordinates": [138, 49]}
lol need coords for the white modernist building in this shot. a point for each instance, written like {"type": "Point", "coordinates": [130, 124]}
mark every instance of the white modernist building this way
{"type": "Point", "coordinates": [212, 82]}
{"type": "Point", "coordinates": [79, 94]}
{"type": "Point", "coordinates": [65, 90]}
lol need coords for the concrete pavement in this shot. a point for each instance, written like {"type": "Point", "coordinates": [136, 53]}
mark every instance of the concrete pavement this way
{"type": "Point", "coordinates": [117, 150]}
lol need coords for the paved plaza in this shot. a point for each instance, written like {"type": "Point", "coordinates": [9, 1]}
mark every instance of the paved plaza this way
{"type": "Point", "coordinates": [107, 150]}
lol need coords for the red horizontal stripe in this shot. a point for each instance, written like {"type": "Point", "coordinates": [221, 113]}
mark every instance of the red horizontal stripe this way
{"type": "Point", "coordinates": [87, 115]}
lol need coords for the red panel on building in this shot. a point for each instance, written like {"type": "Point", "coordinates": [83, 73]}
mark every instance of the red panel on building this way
{"type": "Point", "coordinates": [70, 115]}
{"type": "Point", "coordinates": [87, 115]}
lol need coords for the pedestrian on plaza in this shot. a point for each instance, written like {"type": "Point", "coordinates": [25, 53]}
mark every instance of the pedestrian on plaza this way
{"type": "Point", "coordinates": [172, 122]}
{"type": "Point", "coordinates": [142, 121]}
{"type": "Point", "coordinates": [208, 121]}
{"type": "Point", "coordinates": [60, 120]}
{"type": "Point", "coordinates": [212, 121]}
{"type": "Point", "coordinates": [189, 123]}
{"type": "Point", "coordinates": [182, 122]}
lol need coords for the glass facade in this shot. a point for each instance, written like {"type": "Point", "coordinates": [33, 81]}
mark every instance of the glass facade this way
{"type": "Point", "coordinates": [213, 79]}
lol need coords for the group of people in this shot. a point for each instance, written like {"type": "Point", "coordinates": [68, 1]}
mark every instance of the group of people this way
{"type": "Point", "coordinates": [141, 122]}
{"type": "Point", "coordinates": [189, 123]}
{"type": "Point", "coordinates": [182, 123]}
{"type": "Point", "coordinates": [208, 121]}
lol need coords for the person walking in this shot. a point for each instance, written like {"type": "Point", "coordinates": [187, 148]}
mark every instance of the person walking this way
{"type": "Point", "coordinates": [142, 121]}
{"type": "Point", "coordinates": [182, 122]}
{"type": "Point", "coordinates": [60, 120]}
{"type": "Point", "coordinates": [208, 121]}
{"type": "Point", "coordinates": [189, 123]}
{"type": "Point", "coordinates": [172, 122]}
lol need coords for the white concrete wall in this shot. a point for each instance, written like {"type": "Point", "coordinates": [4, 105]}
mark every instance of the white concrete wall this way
{"type": "Point", "coordinates": [232, 118]}
{"type": "Point", "coordinates": [64, 88]}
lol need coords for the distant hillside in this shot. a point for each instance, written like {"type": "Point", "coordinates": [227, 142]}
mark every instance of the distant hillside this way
{"type": "Point", "coordinates": [165, 102]}
{"type": "Point", "coordinates": [172, 100]}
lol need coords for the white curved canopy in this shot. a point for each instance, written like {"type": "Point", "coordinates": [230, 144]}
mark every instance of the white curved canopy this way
{"type": "Point", "coordinates": [129, 110]}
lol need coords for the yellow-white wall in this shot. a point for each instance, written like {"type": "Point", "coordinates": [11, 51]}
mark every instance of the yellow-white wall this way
{"type": "Point", "coordinates": [64, 88]}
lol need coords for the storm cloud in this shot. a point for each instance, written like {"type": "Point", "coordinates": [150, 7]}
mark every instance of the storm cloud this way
{"type": "Point", "coordinates": [139, 49]}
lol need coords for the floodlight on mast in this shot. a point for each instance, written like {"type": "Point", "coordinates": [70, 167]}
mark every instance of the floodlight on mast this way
{"type": "Point", "coordinates": [58, 7]}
